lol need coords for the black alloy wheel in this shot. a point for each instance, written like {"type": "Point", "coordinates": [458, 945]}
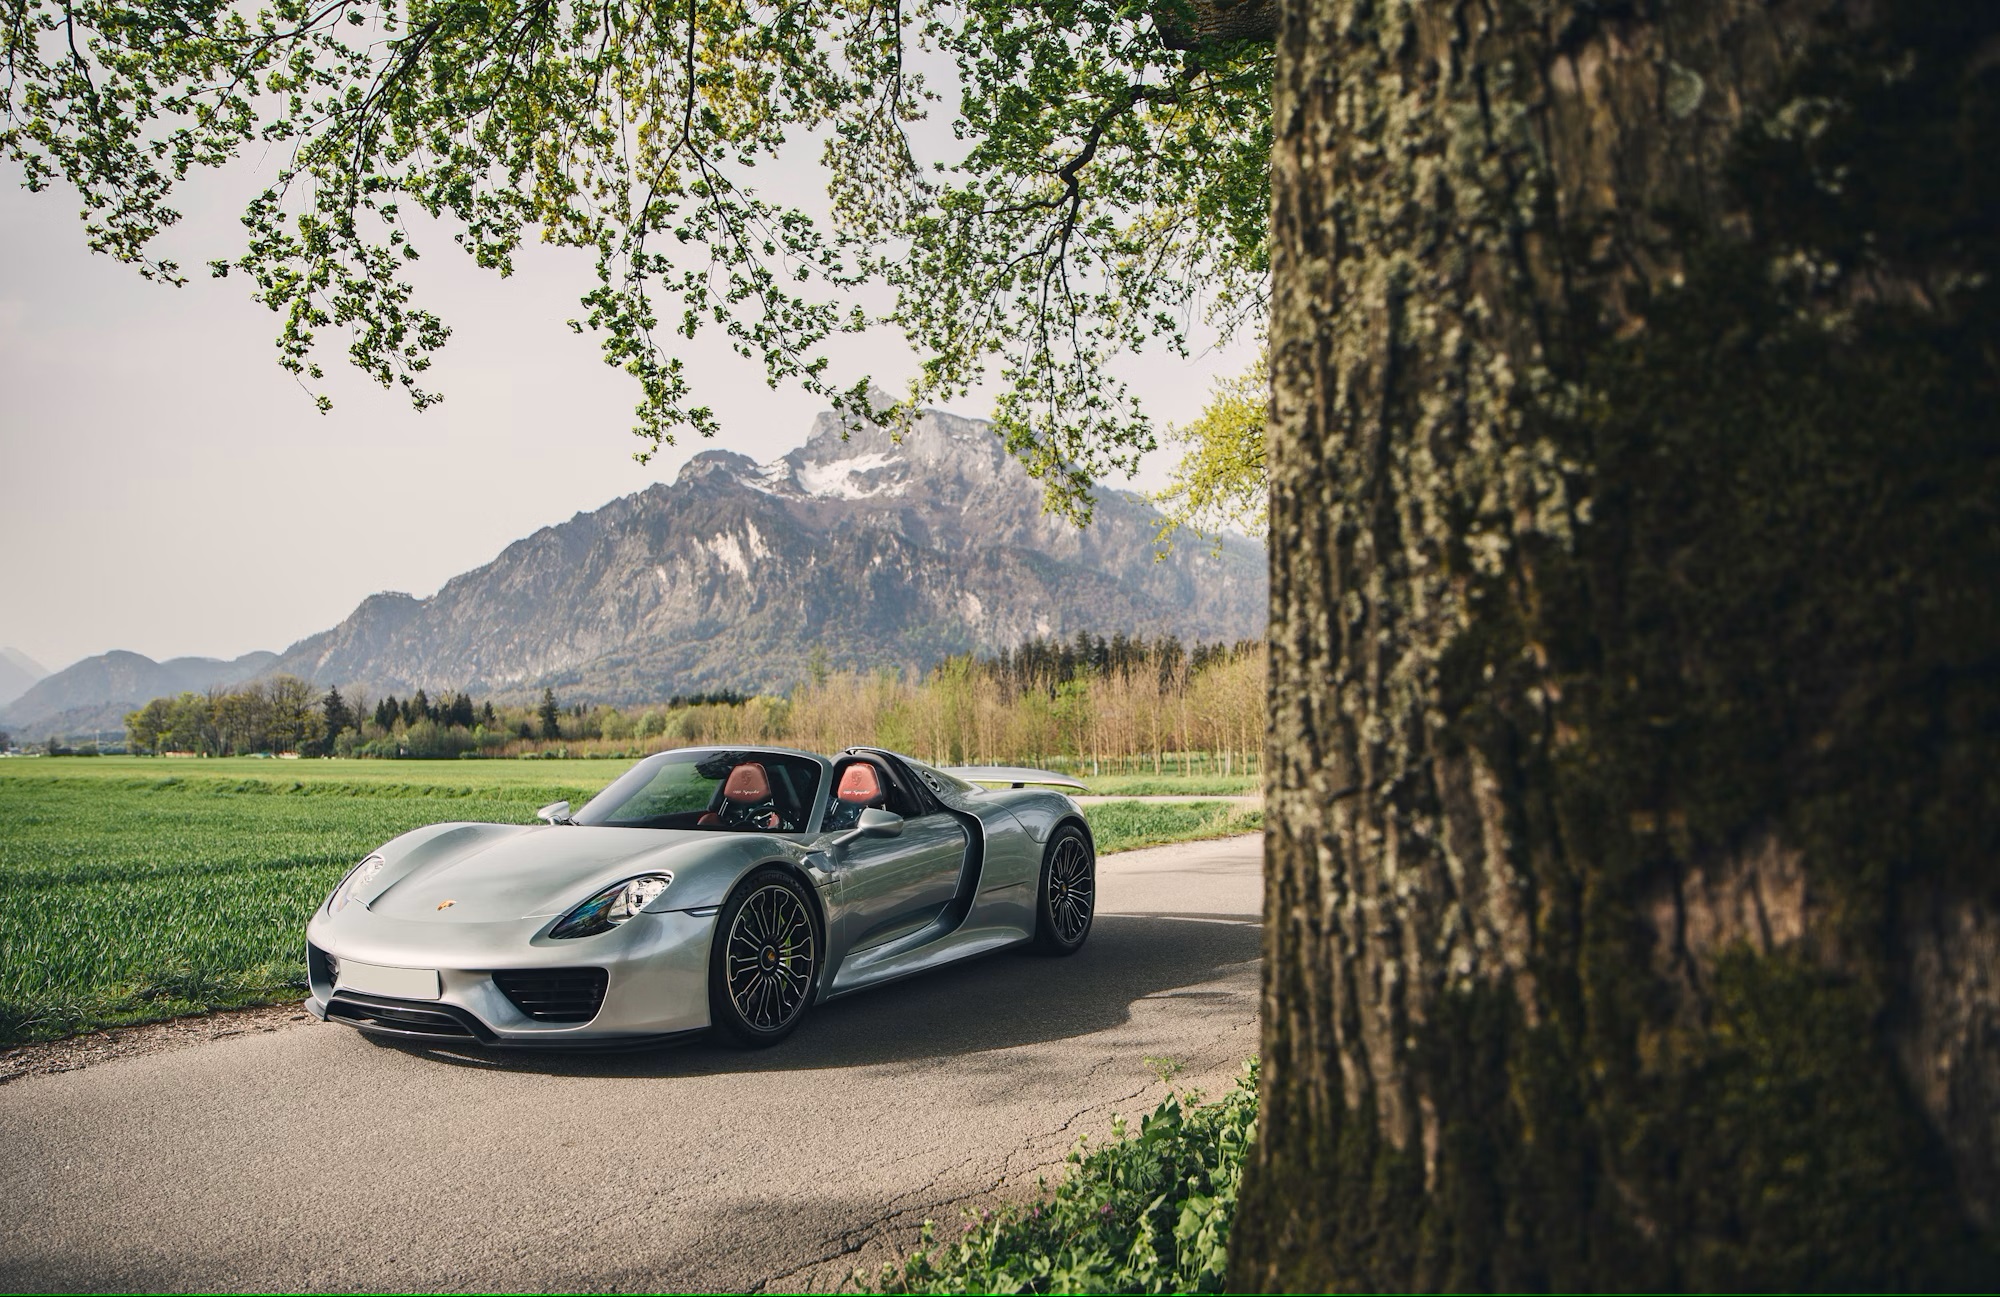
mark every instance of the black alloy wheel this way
{"type": "Point", "coordinates": [765, 961]}
{"type": "Point", "coordinates": [1068, 899]}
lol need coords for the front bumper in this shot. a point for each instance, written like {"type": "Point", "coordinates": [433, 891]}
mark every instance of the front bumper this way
{"type": "Point", "coordinates": [655, 968]}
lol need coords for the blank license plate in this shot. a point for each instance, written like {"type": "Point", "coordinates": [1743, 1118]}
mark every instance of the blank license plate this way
{"type": "Point", "coordinates": [396, 983]}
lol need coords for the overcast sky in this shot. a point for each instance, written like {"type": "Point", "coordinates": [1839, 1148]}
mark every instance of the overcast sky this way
{"type": "Point", "coordinates": [166, 488]}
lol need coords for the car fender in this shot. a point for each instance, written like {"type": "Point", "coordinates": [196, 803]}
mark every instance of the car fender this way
{"type": "Point", "coordinates": [706, 872]}
{"type": "Point", "coordinates": [1040, 811]}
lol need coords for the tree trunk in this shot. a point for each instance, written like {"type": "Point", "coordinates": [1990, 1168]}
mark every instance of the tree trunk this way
{"type": "Point", "coordinates": [1633, 772]}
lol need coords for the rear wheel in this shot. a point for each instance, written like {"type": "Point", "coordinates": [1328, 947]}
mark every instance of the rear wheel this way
{"type": "Point", "coordinates": [765, 961]}
{"type": "Point", "coordinates": [1068, 899]}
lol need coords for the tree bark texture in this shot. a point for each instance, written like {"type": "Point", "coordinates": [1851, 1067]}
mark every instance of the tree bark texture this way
{"type": "Point", "coordinates": [1633, 793]}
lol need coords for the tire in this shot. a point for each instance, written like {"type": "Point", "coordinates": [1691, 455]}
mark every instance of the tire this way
{"type": "Point", "coordinates": [1066, 903]}
{"type": "Point", "coordinates": [764, 964]}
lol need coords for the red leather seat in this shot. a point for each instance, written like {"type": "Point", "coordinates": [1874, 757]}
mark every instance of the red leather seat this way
{"type": "Point", "coordinates": [747, 785]}
{"type": "Point", "coordinates": [860, 785]}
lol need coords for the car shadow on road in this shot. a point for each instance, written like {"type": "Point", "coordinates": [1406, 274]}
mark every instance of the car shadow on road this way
{"type": "Point", "coordinates": [1014, 997]}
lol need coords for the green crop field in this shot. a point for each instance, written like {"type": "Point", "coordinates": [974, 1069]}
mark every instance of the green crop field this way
{"type": "Point", "coordinates": [138, 888]}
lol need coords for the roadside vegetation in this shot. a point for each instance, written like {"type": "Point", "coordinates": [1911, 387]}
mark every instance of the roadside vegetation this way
{"type": "Point", "coordinates": [1148, 1212]}
{"type": "Point", "coordinates": [133, 890]}
{"type": "Point", "coordinates": [1122, 826]}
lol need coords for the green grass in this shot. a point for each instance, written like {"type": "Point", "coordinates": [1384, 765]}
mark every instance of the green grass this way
{"type": "Point", "coordinates": [1147, 1213]}
{"type": "Point", "coordinates": [575, 775]}
{"type": "Point", "coordinates": [133, 889]}
{"type": "Point", "coordinates": [125, 899]}
{"type": "Point", "coordinates": [1121, 826]}
{"type": "Point", "coordinates": [1175, 785]}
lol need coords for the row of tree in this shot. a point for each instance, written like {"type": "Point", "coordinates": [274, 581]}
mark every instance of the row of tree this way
{"type": "Point", "coordinates": [1122, 700]}
{"type": "Point", "coordinates": [1048, 663]}
{"type": "Point", "coordinates": [281, 714]}
{"type": "Point", "coordinates": [457, 710]}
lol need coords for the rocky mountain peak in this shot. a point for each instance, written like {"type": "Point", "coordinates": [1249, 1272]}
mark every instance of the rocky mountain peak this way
{"type": "Point", "coordinates": [936, 460]}
{"type": "Point", "coordinates": [860, 549]}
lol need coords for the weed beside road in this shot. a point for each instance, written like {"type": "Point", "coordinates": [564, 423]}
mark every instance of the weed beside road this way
{"type": "Point", "coordinates": [133, 890]}
{"type": "Point", "coordinates": [1148, 1212]}
{"type": "Point", "coordinates": [1122, 826]}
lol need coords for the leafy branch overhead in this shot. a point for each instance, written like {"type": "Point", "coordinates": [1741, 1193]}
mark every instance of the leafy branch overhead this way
{"type": "Point", "coordinates": [1220, 483]}
{"type": "Point", "coordinates": [1101, 184]}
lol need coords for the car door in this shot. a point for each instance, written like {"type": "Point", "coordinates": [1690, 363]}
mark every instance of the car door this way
{"type": "Point", "coordinates": [892, 887]}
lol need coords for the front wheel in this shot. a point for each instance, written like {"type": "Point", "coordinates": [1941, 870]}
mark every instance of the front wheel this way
{"type": "Point", "coordinates": [765, 960]}
{"type": "Point", "coordinates": [1068, 899]}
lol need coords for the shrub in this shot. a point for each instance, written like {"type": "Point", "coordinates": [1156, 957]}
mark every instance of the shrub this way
{"type": "Point", "coordinates": [1146, 1213]}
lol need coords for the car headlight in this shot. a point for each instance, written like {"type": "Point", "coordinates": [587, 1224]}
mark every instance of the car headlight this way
{"type": "Point", "coordinates": [612, 906]}
{"type": "Point", "coordinates": [357, 878]}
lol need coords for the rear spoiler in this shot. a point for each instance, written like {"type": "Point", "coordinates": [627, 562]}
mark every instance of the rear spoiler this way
{"type": "Point", "coordinates": [1014, 776]}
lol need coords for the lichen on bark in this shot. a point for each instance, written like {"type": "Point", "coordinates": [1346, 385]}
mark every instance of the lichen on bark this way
{"type": "Point", "coordinates": [1631, 790]}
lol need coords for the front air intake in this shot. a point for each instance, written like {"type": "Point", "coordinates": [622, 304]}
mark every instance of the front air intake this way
{"type": "Point", "coordinates": [554, 994]}
{"type": "Point", "coordinates": [406, 1018]}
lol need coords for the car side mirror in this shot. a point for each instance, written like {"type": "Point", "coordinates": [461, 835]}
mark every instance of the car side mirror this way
{"type": "Point", "coordinates": [873, 823]}
{"type": "Point", "coordinates": [555, 813]}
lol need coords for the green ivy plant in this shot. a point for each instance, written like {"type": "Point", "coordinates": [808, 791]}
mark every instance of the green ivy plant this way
{"type": "Point", "coordinates": [1105, 181]}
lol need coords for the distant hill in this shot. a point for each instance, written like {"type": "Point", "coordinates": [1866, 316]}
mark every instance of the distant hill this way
{"type": "Point", "coordinates": [869, 551]}
{"type": "Point", "coordinates": [875, 552]}
{"type": "Point", "coordinates": [18, 672]}
{"type": "Point", "coordinates": [96, 693]}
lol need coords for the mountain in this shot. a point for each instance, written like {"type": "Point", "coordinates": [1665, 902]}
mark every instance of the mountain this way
{"type": "Point", "coordinates": [866, 550]}
{"type": "Point", "coordinates": [17, 672]}
{"type": "Point", "coordinates": [872, 551]}
{"type": "Point", "coordinates": [95, 693]}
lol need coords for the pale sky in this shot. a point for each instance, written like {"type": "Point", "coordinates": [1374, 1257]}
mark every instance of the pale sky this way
{"type": "Point", "coordinates": [166, 488]}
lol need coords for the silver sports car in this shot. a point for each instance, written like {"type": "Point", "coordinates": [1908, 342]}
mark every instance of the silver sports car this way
{"type": "Point", "coordinates": [724, 887]}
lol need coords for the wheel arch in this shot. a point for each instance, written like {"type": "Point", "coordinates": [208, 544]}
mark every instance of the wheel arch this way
{"type": "Point", "coordinates": [1076, 818]}
{"type": "Point", "coordinates": [824, 976]}
{"type": "Point", "coordinates": [798, 875]}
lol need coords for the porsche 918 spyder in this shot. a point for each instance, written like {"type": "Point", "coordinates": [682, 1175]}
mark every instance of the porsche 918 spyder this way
{"type": "Point", "coordinates": [717, 888]}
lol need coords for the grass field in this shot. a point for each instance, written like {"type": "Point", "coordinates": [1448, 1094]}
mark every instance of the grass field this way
{"type": "Point", "coordinates": [138, 888]}
{"type": "Point", "coordinates": [1175, 785]}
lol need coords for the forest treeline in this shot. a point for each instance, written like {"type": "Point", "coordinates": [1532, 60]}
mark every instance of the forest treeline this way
{"type": "Point", "coordinates": [1127, 700]}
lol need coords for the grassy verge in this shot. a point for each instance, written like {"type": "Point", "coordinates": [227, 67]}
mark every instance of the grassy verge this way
{"type": "Point", "coordinates": [1147, 1213]}
{"type": "Point", "coordinates": [1175, 785]}
{"type": "Point", "coordinates": [141, 889]}
{"type": "Point", "coordinates": [1122, 826]}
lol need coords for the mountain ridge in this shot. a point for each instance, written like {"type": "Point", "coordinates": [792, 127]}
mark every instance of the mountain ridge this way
{"type": "Point", "coordinates": [857, 550]}
{"type": "Point", "coordinates": [857, 543]}
{"type": "Point", "coordinates": [95, 694]}
{"type": "Point", "coordinates": [18, 674]}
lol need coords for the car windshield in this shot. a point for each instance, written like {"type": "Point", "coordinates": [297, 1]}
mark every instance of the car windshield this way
{"type": "Point", "coordinates": [716, 789]}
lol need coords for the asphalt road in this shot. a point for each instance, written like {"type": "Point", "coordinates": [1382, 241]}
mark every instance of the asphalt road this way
{"type": "Point", "coordinates": [314, 1157]}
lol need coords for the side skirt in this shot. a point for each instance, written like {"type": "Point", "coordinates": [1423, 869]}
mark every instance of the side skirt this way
{"type": "Point", "coordinates": [934, 953]}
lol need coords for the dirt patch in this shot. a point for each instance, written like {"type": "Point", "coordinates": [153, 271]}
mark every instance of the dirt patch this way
{"type": "Point", "coordinates": [150, 1038]}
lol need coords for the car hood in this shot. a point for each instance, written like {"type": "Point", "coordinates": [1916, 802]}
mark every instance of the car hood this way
{"type": "Point", "coordinates": [481, 873]}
